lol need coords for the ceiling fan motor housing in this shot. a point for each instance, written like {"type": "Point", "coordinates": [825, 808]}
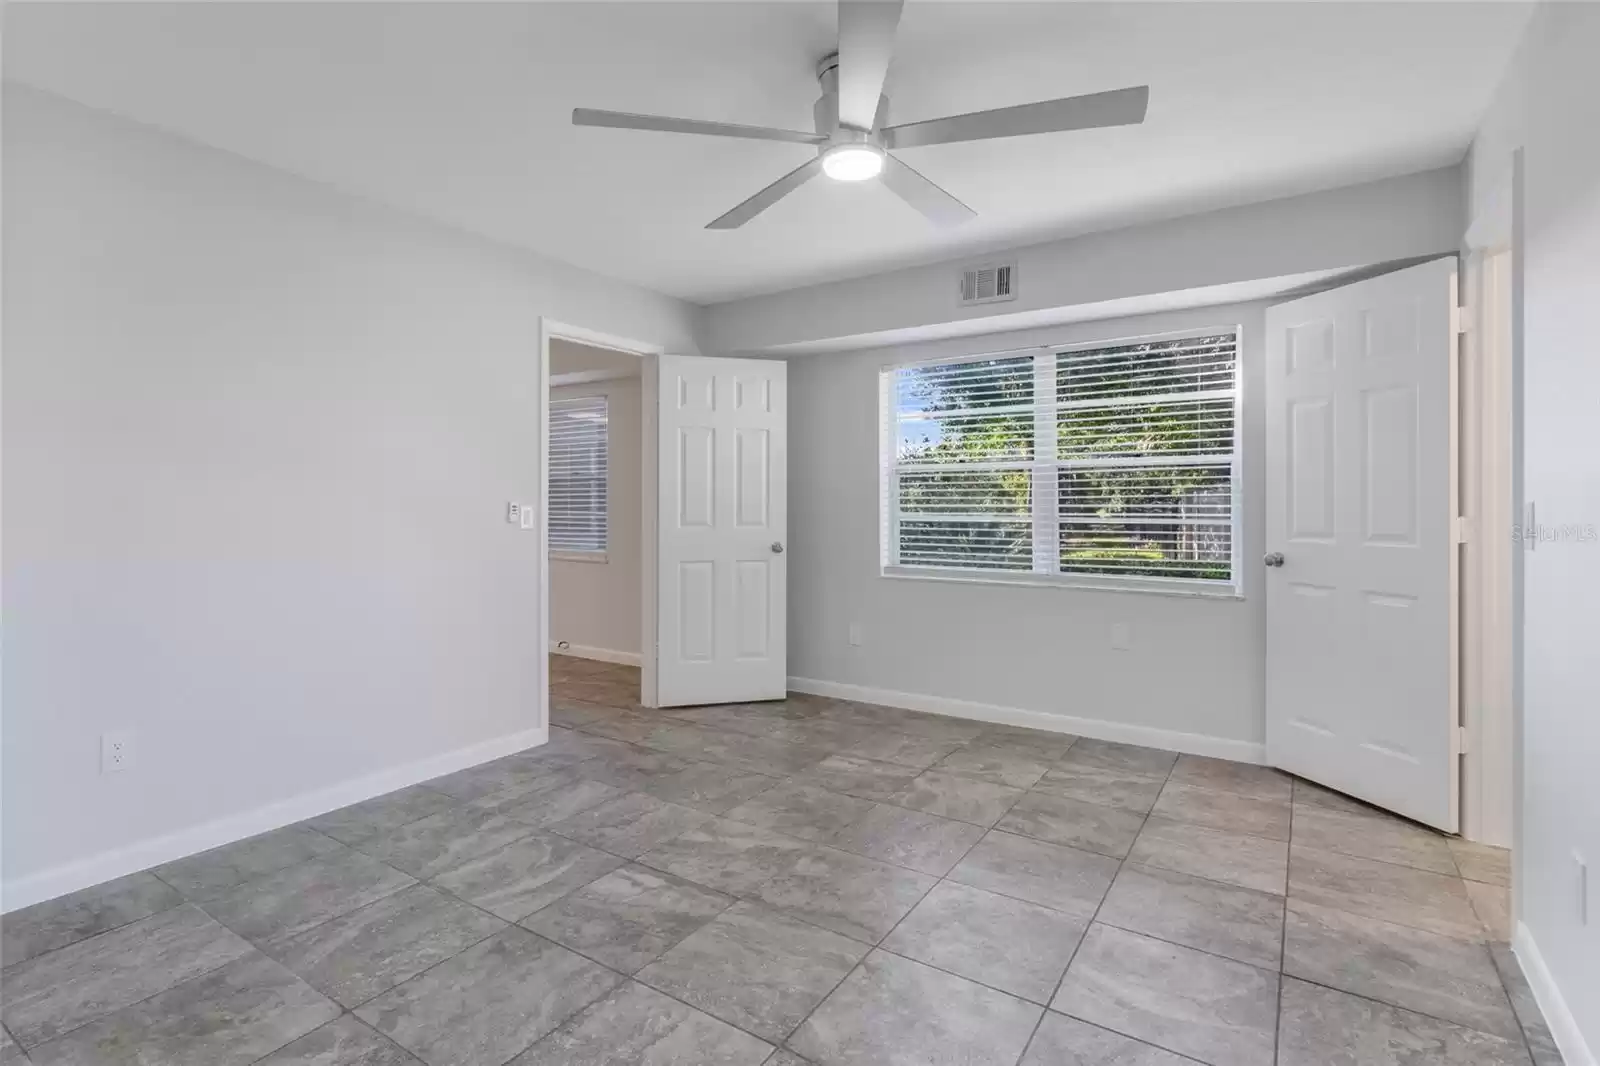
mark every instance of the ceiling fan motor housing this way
{"type": "Point", "coordinates": [825, 112]}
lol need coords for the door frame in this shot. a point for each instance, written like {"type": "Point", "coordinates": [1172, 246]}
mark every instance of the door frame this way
{"type": "Point", "coordinates": [550, 329]}
{"type": "Point", "coordinates": [1491, 414]}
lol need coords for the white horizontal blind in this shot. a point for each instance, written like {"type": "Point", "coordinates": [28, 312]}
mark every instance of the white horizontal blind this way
{"type": "Point", "coordinates": [578, 443]}
{"type": "Point", "coordinates": [1115, 461]}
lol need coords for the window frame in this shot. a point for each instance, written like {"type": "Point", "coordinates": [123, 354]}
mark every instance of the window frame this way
{"type": "Point", "coordinates": [578, 555]}
{"type": "Point", "coordinates": [1043, 507]}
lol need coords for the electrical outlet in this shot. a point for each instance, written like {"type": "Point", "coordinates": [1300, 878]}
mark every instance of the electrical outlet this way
{"type": "Point", "coordinates": [855, 634]}
{"type": "Point", "coordinates": [514, 513]}
{"type": "Point", "coordinates": [116, 752]}
{"type": "Point", "coordinates": [1121, 636]}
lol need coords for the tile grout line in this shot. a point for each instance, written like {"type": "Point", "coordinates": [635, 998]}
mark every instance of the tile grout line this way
{"type": "Point", "coordinates": [1283, 937]}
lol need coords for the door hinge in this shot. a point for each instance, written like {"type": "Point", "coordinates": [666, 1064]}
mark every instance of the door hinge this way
{"type": "Point", "coordinates": [1460, 529]}
{"type": "Point", "coordinates": [1460, 320]}
{"type": "Point", "coordinates": [1460, 745]}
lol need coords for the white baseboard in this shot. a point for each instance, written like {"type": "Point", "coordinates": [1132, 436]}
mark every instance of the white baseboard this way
{"type": "Point", "coordinates": [70, 877]}
{"type": "Point", "coordinates": [604, 655]}
{"type": "Point", "coordinates": [1557, 1015]}
{"type": "Point", "coordinates": [1098, 728]}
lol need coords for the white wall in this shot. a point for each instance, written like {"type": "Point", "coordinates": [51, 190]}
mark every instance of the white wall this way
{"type": "Point", "coordinates": [1549, 106]}
{"type": "Point", "coordinates": [1351, 227]}
{"type": "Point", "coordinates": [258, 439]}
{"type": "Point", "coordinates": [595, 605]}
{"type": "Point", "coordinates": [1195, 665]}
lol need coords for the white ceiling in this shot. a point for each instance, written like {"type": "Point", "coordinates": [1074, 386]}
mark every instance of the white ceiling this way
{"type": "Point", "coordinates": [461, 112]}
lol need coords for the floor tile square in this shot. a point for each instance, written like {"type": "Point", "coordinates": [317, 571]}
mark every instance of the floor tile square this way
{"type": "Point", "coordinates": [1109, 755]}
{"type": "Point", "coordinates": [909, 838]}
{"type": "Point", "coordinates": [728, 856]}
{"type": "Point", "coordinates": [1239, 923]}
{"type": "Point", "coordinates": [961, 798]}
{"type": "Point", "coordinates": [755, 969]}
{"type": "Point", "coordinates": [489, 1003]}
{"type": "Point", "coordinates": [1225, 775]}
{"type": "Point", "coordinates": [199, 877]}
{"type": "Point", "coordinates": [1450, 979]}
{"type": "Point", "coordinates": [1323, 1025]}
{"type": "Point", "coordinates": [1001, 763]}
{"type": "Point", "coordinates": [68, 919]}
{"type": "Point", "coordinates": [1017, 947]}
{"type": "Point", "coordinates": [527, 874]}
{"type": "Point", "coordinates": [1540, 1040]}
{"type": "Point", "coordinates": [852, 775]}
{"type": "Point", "coordinates": [1480, 862]}
{"type": "Point", "coordinates": [896, 1012]}
{"type": "Point", "coordinates": [265, 1007]}
{"type": "Point", "coordinates": [445, 840]}
{"type": "Point", "coordinates": [638, 1025]}
{"type": "Point", "coordinates": [857, 897]}
{"type": "Point", "coordinates": [281, 905]}
{"type": "Point", "coordinates": [506, 775]}
{"type": "Point", "coordinates": [368, 951]}
{"type": "Point", "coordinates": [381, 814]}
{"type": "Point", "coordinates": [1309, 792]}
{"type": "Point", "coordinates": [629, 917]}
{"type": "Point", "coordinates": [800, 811]}
{"type": "Point", "coordinates": [1251, 862]}
{"type": "Point", "coordinates": [50, 994]}
{"type": "Point", "coordinates": [709, 787]}
{"type": "Point", "coordinates": [902, 748]}
{"type": "Point", "coordinates": [1232, 812]}
{"type": "Point", "coordinates": [1062, 878]}
{"type": "Point", "coordinates": [631, 770]}
{"type": "Point", "coordinates": [1063, 1041]}
{"type": "Point", "coordinates": [1108, 787]}
{"type": "Point", "coordinates": [551, 801]}
{"type": "Point", "coordinates": [1042, 743]}
{"type": "Point", "coordinates": [342, 1042]}
{"type": "Point", "coordinates": [1493, 907]}
{"type": "Point", "coordinates": [1072, 822]}
{"type": "Point", "coordinates": [630, 825]}
{"type": "Point", "coordinates": [1373, 836]}
{"type": "Point", "coordinates": [1382, 890]}
{"type": "Point", "coordinates": [1209, 1008]}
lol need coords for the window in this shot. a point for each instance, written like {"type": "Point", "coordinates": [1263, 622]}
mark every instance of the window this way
{"type": "Point", "coordinates": [578, 475]}
{"type": "Point", "coordinates": [1113, 464]}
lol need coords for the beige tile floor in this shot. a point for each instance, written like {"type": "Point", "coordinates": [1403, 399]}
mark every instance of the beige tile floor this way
{"type": "Point", "coordinates": [811, 881]}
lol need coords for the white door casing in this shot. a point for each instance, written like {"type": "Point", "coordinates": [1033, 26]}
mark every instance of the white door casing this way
{"type": "Point", "coordinates": [723, 530]}
{"type": "Point", "coordinates": [1361, 664]}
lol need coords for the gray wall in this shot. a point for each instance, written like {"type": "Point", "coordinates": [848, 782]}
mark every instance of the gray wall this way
{"type": "Point", "coordinates": [1195, 664]}
{"type": "Point", "coordinates": [258, 440]}
{"type": "Point", "coordinates": [1549, 106]}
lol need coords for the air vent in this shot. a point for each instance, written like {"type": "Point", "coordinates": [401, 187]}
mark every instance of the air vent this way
{"type": "Point", "coordinates": [989, 283]}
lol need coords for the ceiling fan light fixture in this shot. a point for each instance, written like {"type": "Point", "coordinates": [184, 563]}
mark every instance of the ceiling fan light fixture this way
{"type": "Point", "coordinates": [852, 162]}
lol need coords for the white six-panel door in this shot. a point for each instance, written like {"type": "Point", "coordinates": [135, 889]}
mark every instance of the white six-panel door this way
{"type": "Point", "coordinates": [1361, 660]}
{"type": "Point", "coordinates": [723, 529]}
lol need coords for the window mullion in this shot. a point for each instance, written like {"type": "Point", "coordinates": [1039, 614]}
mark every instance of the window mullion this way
{"type": "Point", "coordinates": [1046, 520]}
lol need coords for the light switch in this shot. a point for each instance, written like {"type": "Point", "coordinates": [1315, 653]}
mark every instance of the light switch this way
{"type": "Point", "coordinates": [528, 516]}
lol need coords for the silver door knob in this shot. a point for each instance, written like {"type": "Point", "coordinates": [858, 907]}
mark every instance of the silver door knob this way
{"type": "Point", "coordinates": [777, 548]}
{"type": "Point", "coordinates": [1273, 559]}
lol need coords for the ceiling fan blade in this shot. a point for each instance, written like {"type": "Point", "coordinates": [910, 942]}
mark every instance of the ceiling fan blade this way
{"type": "Point", "coordinates": [866, 41]}
{"type": "Point", "coordinates": [768, 196]}
{"type": "Point", "coordinates": [922, 194]}
{"type": "Point", "coordinates": [587, 116]}
{"type": "Point", "coordinates": [1120, 107]}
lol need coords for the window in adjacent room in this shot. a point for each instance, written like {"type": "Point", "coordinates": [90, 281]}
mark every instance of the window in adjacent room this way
{"type": "Point", "coordinates": [1107, 464]}
{"type": "Point", "coordinates": [578, 475]}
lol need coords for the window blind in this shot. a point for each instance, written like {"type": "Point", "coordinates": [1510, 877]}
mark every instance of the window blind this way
{"type": "Point", "coordinates": [1117, 461]}
{"type": "Point", "coordinates": [578, 445]}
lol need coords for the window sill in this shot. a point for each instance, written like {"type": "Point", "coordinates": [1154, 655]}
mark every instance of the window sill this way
{"type": "Point", "coordinates": [1082, 582]}
{"type": "Point", "coordinates": [577, 557]}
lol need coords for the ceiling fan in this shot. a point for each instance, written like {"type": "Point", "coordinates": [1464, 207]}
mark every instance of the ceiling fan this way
{"type": "Point", "coordinates": [852, 137]}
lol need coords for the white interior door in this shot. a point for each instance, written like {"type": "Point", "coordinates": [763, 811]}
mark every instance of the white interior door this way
{"type": "Point", "coordinates": [1361, 635]}
{"type": "Point", "coordinates": [723, 527]}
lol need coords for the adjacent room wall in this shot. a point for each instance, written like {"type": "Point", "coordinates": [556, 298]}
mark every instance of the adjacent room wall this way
{"type": "Point", "coordinates": [1195, 668]}
{"type": "Point", "coordinates": [594, 605]}
{"type": "Point", "coordinates": [258, 441]}
{"type": "Point", "coordinates": [1356, 226]}
{"type": "Point", "coordinates": [1549, 107]}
